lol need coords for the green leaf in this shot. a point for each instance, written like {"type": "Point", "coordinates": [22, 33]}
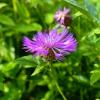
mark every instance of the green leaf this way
{"type": "Point", "coordinates": [95, 76]}
{"type": "Point", "coordinates": [7, 67]}
{"type": "Point", "coordinates": [2, 5]}
{"type": "Point", "coordinates": [75, 4]}
{"type": "Point", "coordinates": [90, 7]}
{"type": "Point", "coordinates": [37, 70]}
{"type": "Point", "coordinates": [80, 78]}
{"type": "Point", "coordinates": [14, 3]}
{"type": "Point", "coordinates": [97, 30]}
{"type": "Point", "coordinates": [49, 18]}
{"type": "Point", "coordinates": [6, 20]}
{"type": "Point", "coordinates": [77, 14]}
{"type": "Point", "coordinates": [26, 61]}
{"type": "Point", "coordinates": [83, 10]}
{"type": "Point", "coordinates": [22, 10]}
{"type": "Point", "coordinates": [28, 27]}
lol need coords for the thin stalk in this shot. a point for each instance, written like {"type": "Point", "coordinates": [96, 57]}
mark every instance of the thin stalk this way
{"type": "Point", "coordinates": [53, 73]}
{"type": "Point", "coordinates": [81, 94]}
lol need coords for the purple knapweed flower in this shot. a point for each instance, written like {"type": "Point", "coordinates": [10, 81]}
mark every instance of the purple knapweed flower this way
{"type": "Point", "coordinates": [51, 45]}
{"type": "Point", "coordinates": [63, 17]}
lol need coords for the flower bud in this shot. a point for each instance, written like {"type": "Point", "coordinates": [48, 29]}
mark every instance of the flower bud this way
{"type": "Point", "coordinates": [63, 17]}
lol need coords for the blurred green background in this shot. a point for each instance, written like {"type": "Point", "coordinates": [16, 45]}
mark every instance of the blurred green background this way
{"type": "Point", "coordinates": [23, 77]}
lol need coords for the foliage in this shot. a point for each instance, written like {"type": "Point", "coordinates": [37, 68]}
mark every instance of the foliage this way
{"type": "Point", "coordinates": [25, 77]}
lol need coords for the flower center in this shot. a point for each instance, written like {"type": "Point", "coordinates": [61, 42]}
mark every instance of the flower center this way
{"type": "Point", "coordinates": [51, 55]}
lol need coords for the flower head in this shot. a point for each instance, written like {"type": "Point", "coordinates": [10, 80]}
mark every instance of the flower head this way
{"type": "Point", "coordinates": [63, 17]}
{"type": "Point", "coordinates": [52, 45]}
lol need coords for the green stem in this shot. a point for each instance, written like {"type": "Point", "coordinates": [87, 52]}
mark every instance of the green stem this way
{"type": "Point", "coordinates": [53, 73]}
{"type": "Point", "coordinates": [60, 91]}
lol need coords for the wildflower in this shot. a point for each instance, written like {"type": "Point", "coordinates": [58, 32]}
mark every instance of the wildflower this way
{"type": "Point", "coordinates": [63, 17]}
{"type": "Point", "coordinates": [51, 45]}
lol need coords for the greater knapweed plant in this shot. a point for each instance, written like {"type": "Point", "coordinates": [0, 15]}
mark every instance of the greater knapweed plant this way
{"type": "Point", "coordinates": [53, 45]}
